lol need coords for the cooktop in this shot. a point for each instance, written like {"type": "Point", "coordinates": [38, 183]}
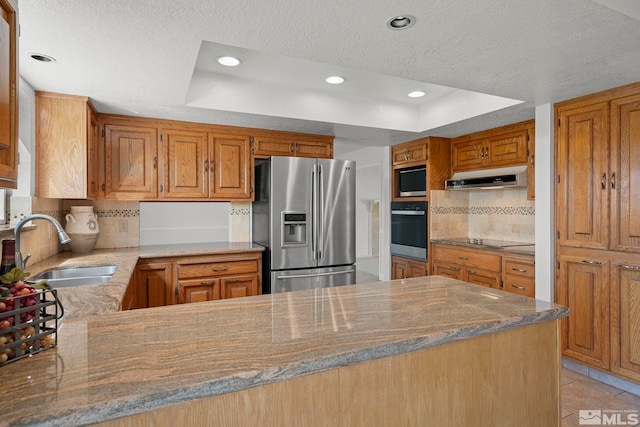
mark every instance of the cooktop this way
{"type": "Point", "coordinates": [487, 243]}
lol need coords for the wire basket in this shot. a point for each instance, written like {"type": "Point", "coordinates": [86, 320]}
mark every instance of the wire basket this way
{"type": "Point", "coordinates": [29, 325]}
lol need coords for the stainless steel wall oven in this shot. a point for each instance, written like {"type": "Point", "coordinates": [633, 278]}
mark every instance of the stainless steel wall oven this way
{"type": "Point", "coordinates": [409, 229]}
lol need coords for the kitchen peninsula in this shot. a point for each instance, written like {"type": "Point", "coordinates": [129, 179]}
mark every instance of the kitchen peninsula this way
{"type": "Point", "coordinates": [426, 351]}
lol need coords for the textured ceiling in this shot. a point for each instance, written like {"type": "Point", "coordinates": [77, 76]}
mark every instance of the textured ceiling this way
{"type": "Point", "coordinates": [141, 57]}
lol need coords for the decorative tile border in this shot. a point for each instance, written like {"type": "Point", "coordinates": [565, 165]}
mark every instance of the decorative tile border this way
{"type": "Point", "coordinates": [117, 213]}
{"type": "Point", "coordinates": [484, 210]}
{"type": "Point", "coordinates": [240, 212]}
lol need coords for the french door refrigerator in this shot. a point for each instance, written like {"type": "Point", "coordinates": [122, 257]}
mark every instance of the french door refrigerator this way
{"type": "Point", "coordinates": [304, 215]}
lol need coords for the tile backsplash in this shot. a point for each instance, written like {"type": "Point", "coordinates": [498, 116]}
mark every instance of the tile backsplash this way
{"type": "Point", "coordinates": [502, 214]}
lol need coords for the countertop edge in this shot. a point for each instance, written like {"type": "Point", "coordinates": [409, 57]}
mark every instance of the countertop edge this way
{"type": "Point", "coordinates": [256, 378]}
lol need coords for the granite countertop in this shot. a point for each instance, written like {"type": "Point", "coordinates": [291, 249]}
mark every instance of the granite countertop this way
{"type": "Point", "coordinates": [104, 298]}
{"type": "Point", "coordinates": [519, 248]}
{"type": "Point", "coordinates": [128, 362]}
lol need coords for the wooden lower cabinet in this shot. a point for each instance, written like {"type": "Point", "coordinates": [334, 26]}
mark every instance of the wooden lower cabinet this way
{"type": "Point", "coordinates": [508, 272]}
{"type": "Point", "coordinates": [625, 320]}
{"type": "Point", "coordinates": [404, 268]}
{"type": "Point", "coordinates": [218, 277]}
{"type": "Point", "coordinates": [583, 287]}
{"type": "Point", "coordinates": [177, 280]}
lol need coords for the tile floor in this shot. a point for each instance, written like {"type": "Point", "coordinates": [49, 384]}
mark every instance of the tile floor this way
{"type": "Point", "coordinates": [581, 392]}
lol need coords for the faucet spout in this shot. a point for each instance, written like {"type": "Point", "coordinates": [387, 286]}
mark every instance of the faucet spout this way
{"type": "Point", "coordinates": [62, 235]}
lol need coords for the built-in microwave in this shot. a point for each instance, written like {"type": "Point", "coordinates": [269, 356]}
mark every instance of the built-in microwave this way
{"type": "Point", "coordinates": [411, 182]}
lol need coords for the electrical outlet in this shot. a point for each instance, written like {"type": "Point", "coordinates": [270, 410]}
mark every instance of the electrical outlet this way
{"type": "Point", "coordinates": [123, 226]}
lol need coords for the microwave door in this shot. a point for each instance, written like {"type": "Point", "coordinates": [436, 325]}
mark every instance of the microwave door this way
{"type": "Point", "coordinates": [412, 182]}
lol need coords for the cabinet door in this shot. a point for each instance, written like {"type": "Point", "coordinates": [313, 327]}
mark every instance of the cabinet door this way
{"type": "Point", "coordinates": [93, 139]}
{"type": "Point", "coordinates": [506, 149]}
{"type": "Point", "coordinates": [582, 166]}
{"type": "Point", "coordinates": [519, 285]}
{"type": "Point", "coordinates": [410, 153]}
{"type": "Point", "coordinates": [468, 155]}
{"type": "Point", "coordinates": [315, 149]}
{"type": "Point", "coordinates": [62, 146]}
{"type": "Point", "coordinates": [153, 285]}
{"type": "Point", "coordinates": [625, 321]}
{"type": "Point", "coordinates": [624, 180]}
{"type": "Point", "coordinates": [8, 94]}
{"type": "Point", "coordinates": [230, 167]}
{"type": "Point", "coordinates": [417, 269]}
{"type": "Point", "coordinates": [266, 147]}
{"type": "Point", "coordinates": [583, 287]}
{"type": "Point", "coordinates": [531, 170]}
{"type": "Point", "coordinates": [186, 164]}
{"type": "Point", "coordinates": [399, 268]}
{"type": "Point", "coordinates": [131, 162]}
{"type": "Point", "coordinates": [239, 286]}
{"type": "Point", "coordinates": [447, 270]}
{"type": "Point", "coordinates": [198, 290]}
{"type": "Point", "coordinates": [486, 278]}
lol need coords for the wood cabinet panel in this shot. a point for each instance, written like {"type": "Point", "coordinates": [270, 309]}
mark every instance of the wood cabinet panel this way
{"type": "Point", "coordinates": [186, 166]}
{"type": "Point", "coordinates": [415, 151]}
{"type": "Point", "coordinates": [467, 257]}
{"type": "Point", "coordinates": [66, 132]}
{"type": "Point", "coordinates": [265, 147]}
{"type": "Point", "coordinates": [131, 162]}
{"type": "Point", "coordinates": [582, 163]}
{"type": "Point", "coordinates": [531, 170]}
{"type": "Point", "coordinates": [230, 167]}
{"type": "Point", "coordinates": [468, 155]}
{"type": "Point", "coordinates": [625, 320]}
{"type": "Point", "coordinates": [507, 149]}
{"type": "Point", "coordinates": [519, 275]}
{"type": "Point", "coordinates": [441, 268]}
{"type": "Point", "coordinates": [292, 145]}
{"type": "Point", "coordinates": [583, 287]}
{"type": "Point", "coordinates": [9, 34]}
{"type": "Point", "coordinates": [320, 150]}
{"type": "Point", "coordinates": [198, 290]}
{"type": "Point", "coordinates": [154, 285]}
{"type": "Point", "coordinates": [624, 178]}
{"type": "Point", "coordinates": [490, 279]}
{"type": "Point", "coordinates": [404, 268]}
{"type": "Point", "coordinates": [240, 286]}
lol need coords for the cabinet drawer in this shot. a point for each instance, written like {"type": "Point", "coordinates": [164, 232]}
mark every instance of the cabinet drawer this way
{"type": "Point", "coordinates": [475, 258]}
{"type": "Point", "coordinates": [519, 285]}
{"type": "Point", "coordinates": [208, 269]}
{"type": "Point", "coordinates": [520, 268]}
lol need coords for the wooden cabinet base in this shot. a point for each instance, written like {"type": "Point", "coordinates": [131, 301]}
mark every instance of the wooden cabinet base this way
{"type": "Point", "coordinates": [503, 379]}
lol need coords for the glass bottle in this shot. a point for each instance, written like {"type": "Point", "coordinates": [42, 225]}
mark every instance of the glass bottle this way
{"type": "Point", "coordinates": [8, 256]}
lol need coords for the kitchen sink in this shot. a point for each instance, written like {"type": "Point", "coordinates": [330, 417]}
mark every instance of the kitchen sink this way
{"type": "Point", "coordinates": [76, 276]}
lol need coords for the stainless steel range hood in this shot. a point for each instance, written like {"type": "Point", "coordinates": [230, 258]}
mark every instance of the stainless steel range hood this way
{"type": "Point", "coordinates": [515, 176]}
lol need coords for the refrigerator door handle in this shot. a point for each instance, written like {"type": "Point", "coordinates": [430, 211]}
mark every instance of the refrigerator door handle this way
{"type": "Point", "coordinates": [321, 223]}
{"type": "Point", "coordinates": [314, 210]}
{"type": "Point", "coordinates": [301, 276]}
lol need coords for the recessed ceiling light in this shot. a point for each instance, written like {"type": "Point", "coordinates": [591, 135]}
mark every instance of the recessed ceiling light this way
{"type": "Point", "coordinates": [416, 94]}
{"type": "Point", "coordinates": [228, 61]}
{"type": "Point", "coordinates": [335, 80]}
{"type": "Point", "coordinates": [42, 57]}
{"type": "Point", "coordinates": [401, 22]}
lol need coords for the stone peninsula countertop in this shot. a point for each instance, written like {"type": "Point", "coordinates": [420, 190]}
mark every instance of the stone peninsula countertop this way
{"type": "Point", "coordinates": [123, 363]}
{"type": "Point", "coordinates": [104, 298]}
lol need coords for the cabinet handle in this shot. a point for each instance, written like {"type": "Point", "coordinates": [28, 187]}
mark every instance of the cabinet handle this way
{"type": "Point", "coordinates": [208, 282]}
{"type": "Point", "coordinates": [155, 163]}
{"type": "Point", "coordinates": [297, 149]}
{"type": "Point", "coordinates": [292, 147]}
{"type": "Point", "coordinates": [472, 272]}
{"type": "Point", "coordinates": [584, 261]}
{"type": "Point", "coordinates": [519, 270]}
{"type": "Point", "coordinates": [629, 267]}
{"type": "Point", "coordinates": [522, 288]}
{"type": "Point", "coordinates": [533, 160]}
{"type": "Point", "coordinates": [603, 181]}
{"type": "Point", "coordinates": [463, 258]}
{"type": "Point", "coordinates": [224, 268]}
{"type": "Point", "coordinates": [613, 181]}
{"type": "Point", "coordinates": [455, 268]}
{"type": "Point", "coordinates": [206, 165]}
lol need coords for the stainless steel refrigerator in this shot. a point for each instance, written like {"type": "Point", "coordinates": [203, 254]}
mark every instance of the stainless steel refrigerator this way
{"type": "Point", "coordinates": [304, 214]}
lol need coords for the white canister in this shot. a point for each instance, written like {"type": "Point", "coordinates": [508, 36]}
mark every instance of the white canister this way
{"type": "Point", "coordinates": [82, 227]}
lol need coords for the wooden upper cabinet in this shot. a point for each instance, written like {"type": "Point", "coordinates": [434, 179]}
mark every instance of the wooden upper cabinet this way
{"type": "Point", "coordinates": [582, 183]}
{"type": "Point", "coordinates": [416, 151]}
{"type": "Point", "coordinates": [9, 94]}
{"type": "Point", "coordinates": [186, 164]}
{"type": "Point", "coordinates": [131, 161]}
{"type": "Point", "coordinates": [67, 135]}
{"type": "Point", "coordinates": [316, 146]}
{"type": "Point", "coordinates": [624, 176]}
{"type": "Point", "coordinates": [494, 148]}
{"type": "Point", "coordinates": [230, 167]}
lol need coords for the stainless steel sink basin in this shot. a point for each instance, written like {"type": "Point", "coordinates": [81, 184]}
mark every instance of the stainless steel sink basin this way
{"type": "Point", "coordinates": [76, 276]}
